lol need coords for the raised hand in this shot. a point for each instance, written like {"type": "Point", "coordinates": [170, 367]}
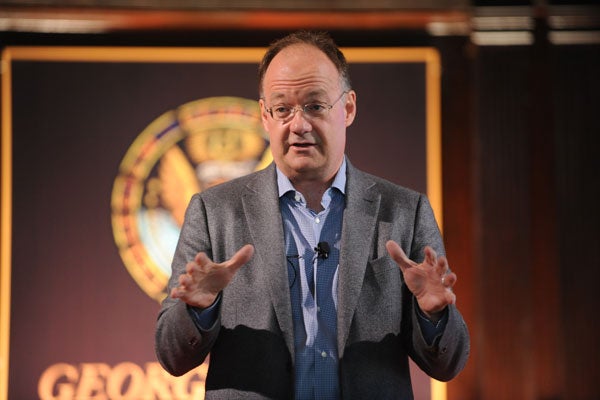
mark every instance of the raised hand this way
{"type": "Point", "coordinates": [204, 279]}
{"type": "Point", "coordinates": [430, 282]}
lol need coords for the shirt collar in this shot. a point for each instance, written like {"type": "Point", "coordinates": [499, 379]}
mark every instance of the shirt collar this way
{"type": "Point", "coordinates": [339, 182]}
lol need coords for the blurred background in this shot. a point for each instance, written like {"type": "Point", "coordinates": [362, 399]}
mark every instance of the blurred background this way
{"type": "Point", "coordinates": [520, 129]}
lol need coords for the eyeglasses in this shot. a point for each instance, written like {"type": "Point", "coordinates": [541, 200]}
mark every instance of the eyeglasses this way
{"type": "Point", "coordinates": [316, 109]}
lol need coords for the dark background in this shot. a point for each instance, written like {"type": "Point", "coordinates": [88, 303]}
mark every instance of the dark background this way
{"type": "Point", "coordinates": [72, 125]}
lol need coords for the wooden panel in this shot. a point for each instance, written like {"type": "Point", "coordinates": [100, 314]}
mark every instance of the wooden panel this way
{"type": "Point", "coordinates": [458, 194]}
{"type": "Point", "coordinates": [107, 20]}
{"type": "Point", "coordinates": [245, 4]}
{"type": "Point", "coordinates": [548, 365]}
{"type": "Point", "coordinates": [576, 88]}
{"type": "Point", "coordinates": [503, 262]}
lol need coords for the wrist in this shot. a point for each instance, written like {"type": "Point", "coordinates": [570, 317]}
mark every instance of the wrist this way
{"type": "Point", "coordinates": [432, 316]}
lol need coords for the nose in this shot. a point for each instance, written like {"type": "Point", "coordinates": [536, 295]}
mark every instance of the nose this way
{"type": "Point", "coordinates": [299, 124]}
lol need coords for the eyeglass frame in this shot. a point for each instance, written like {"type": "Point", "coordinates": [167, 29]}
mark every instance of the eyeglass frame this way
{"type": "Point", "coordinates": [302, 108]}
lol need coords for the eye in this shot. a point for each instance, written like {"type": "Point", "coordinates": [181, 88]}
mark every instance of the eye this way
{"type": "Point", "coordinates": [315, 108]}
{"type": "Point", "coordinates": [281, 109]}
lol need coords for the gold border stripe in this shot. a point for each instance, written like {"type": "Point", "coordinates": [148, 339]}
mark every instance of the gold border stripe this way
{"type": "Point", "coordinates": [434, 135]}
{"type": "Point", "coordinates": [389, 54]}
{"type": "Point", "coordinates": [5, 221]}
{"type": "Point", "coordinates": [139, 54]}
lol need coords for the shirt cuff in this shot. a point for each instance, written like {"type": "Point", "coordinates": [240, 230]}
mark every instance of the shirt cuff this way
{"type": "Point", "coordinates": [431, 330]}
{"type": "Point", "coordinates": [205, 319]}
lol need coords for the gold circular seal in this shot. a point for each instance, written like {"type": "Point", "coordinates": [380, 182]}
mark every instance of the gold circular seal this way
{"type": "Point", "coordinates": [182, 152]}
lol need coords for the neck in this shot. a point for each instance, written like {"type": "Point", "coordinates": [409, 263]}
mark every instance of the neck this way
{"type": "Point", "coordinates": [313, 193]}
{"type": "Point", "coordinates": [312, 186]}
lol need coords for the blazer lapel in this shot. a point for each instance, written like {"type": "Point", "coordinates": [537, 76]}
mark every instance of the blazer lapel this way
{"type": "Point", "coordinates": [362, 207]}
{"type": "Point", "coordinates": [261, 206]}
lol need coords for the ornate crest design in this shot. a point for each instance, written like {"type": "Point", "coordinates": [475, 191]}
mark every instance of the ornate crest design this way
{"type": "Point", "coordinates": [182, 152]}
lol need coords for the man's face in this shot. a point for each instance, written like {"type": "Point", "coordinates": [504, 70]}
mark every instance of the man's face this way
{"type": "Point", "coordinates": [304, 147]}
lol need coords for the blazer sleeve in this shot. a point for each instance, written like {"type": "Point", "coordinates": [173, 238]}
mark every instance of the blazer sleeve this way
{"type": "Point", "coordinates": [179, 344]}
{"type": "Point", "coordinates": [448, 353]}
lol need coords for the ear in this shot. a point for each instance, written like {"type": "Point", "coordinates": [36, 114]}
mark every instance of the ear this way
{"type": "Point", "coordinates": [350, 107]}
{"type": "Point", "coordinates": [264, 114]}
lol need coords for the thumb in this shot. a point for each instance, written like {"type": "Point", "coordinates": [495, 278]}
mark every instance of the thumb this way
{"type": "Point", "coordinates": [398, 255]}
{"type": "Point", "coordinates": [241, 257]}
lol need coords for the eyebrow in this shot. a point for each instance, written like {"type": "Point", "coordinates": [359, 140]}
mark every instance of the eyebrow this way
{"type": "Point", "coordinates": [310, 95]}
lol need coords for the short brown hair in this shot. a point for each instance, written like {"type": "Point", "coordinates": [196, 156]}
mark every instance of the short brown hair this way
{"type": "Point", "coordinates": [320, 40]}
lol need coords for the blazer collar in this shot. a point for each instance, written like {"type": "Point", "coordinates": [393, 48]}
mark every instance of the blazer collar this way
{"type": "Point", "coordinates": [358, 229]}
{"type": "Point", "coordinates": [261, 208]}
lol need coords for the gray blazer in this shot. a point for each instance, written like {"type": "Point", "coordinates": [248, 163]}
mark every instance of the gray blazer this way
{"type": "Point", "coordinates": [251, 345]}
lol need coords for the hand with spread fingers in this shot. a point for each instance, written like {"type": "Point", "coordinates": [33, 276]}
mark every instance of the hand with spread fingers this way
{"type": "Point", "coordinates": [430, 282]}
{"type": "Point", "coordinates": [204, 279]}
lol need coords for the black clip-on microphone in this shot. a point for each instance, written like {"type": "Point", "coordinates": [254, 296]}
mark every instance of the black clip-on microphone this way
{"type": "Point", "coordinates": [322, 250]}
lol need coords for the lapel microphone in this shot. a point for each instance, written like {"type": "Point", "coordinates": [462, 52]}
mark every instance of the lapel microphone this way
{"type": "Point", "coordinates": [322, 250]}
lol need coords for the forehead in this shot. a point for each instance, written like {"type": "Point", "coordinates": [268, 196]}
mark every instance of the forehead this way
{"type": "Point", "coordinates": [300, 69]}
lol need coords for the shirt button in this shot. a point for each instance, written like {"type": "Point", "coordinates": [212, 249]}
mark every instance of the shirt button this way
{"type": "Point", "coordinates": [317, 220]}
{"type": "Point", "coordinates": [318, 309]}
{"type": "Point", "coordinates": [297, 197]}
{"type": "Point", "coordinates": [324, 354]}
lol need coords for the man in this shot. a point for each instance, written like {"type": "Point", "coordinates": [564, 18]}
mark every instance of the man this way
{"type": "Point", "coordinates": [296, 278]}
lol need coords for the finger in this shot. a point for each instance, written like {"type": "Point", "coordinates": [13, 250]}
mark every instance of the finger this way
{"type": "Point", "coordinates": [430, 256]}
{"type": "Point", "coordinates": [441, 267]}
{"type": "Point", "coordinates": [398, 255]}
{"type": "Point", "coordinates": [450, 297]}
{"type": "Point", "coordinates": [202, 259]}
{"type": "Point", "coordinates": [184, 280]}
{"type": "Point", "coordinates": [192, 266]}
{"type": "Point", "coordinates": [449, 280]}
{"type": "Point", "coordinates": [176, 293]}
{"type": "Point", "coordinates": [180, 293]}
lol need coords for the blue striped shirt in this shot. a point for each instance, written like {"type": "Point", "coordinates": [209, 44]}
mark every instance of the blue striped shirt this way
{"type": "Point", "coordinates": [313, 284]}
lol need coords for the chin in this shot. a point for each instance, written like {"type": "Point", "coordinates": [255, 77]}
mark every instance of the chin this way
{"type": "Point", "coordinates": [305, 165]}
